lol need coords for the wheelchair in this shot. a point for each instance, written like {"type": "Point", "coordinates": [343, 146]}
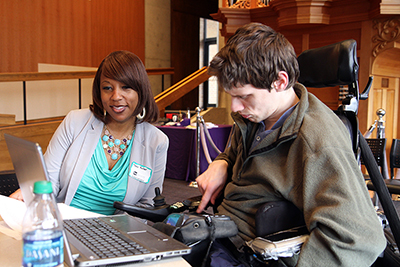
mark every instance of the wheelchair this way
{"type": "Point", "coordinates": [328, 66]}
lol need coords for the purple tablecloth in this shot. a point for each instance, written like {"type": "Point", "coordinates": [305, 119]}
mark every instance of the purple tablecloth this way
{"type": "Point", "coordinates": [181, 158]}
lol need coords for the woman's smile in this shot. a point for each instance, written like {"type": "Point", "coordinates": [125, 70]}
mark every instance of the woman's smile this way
{"type": "Point", "coordinates": [118, 109]}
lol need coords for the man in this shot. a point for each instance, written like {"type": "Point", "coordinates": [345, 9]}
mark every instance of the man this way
{"type": "Point", "coordinates": [287, 145]}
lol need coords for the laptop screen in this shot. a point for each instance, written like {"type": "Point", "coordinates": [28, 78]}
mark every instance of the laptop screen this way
{"type": "Point", "coordinates": [29, 165]}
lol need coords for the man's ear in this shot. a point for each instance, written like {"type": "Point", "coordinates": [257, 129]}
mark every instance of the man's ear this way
{"type": "Point", "coordinates": [282, 82]}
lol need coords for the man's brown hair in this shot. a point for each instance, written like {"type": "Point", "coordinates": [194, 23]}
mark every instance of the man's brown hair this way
{"type": "Point", "coordinates": [254, 55]}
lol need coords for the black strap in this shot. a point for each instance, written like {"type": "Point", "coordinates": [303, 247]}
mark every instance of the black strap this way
{"type": "Point", "coordinates": [380, 187]}
{"type": "Point", "coordinates": [210, 222]}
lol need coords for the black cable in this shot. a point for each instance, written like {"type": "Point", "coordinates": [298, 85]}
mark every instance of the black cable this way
{"type": "Point", "coordinates": [210, 223]}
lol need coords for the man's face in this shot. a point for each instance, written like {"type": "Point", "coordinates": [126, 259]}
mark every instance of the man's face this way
{"type": "Point", "coordinates": [255, 104]}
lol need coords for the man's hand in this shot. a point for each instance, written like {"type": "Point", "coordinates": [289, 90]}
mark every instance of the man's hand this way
{"type": "Point", "coordinates": [211, 182]}
{"type": "Point", "coordinates": [17, 195]}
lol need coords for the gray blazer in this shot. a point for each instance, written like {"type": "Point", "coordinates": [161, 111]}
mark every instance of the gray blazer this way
{"type": "Point", "coordinates": [74, 142]}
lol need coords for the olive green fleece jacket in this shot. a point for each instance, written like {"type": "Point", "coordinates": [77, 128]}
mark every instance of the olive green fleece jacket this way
{"type": "Point", "coordinates": [308, 161]}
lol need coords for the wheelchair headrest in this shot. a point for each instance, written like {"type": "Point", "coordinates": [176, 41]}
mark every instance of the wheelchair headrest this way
{"type": "Point", "coordinates": [330, 65]}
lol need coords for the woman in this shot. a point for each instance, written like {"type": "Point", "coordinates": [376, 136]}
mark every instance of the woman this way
{"type": "Point", "coordinates": [110, 152]}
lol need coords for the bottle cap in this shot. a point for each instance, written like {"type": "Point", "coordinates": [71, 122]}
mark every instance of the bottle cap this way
{"type": "Point", "coordinates": [42, 187]}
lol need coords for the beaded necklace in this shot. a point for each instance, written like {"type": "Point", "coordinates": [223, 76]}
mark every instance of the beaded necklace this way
{"type": "Point", "coordinates": [115, 147]}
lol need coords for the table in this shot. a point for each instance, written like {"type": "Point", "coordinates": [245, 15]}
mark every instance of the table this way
{"type": "Point", "coordinates": [181, 157]}
{"type": "Point", "coordinates": [10, 251]}
{"type": "Point", "coordinates": [11, 255]}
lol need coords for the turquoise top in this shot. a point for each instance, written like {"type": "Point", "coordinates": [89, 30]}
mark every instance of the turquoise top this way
{"type": "Point", "coordinates": [100, 187]}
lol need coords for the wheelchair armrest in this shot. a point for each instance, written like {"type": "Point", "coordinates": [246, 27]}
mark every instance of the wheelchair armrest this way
{"type": "Point", "coordinates": [154, 214]}
{"type": "Point", "coordinates": [160, 210]}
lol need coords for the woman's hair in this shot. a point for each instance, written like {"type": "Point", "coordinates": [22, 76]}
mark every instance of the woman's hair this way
{"type": "Point", "coordinates": [125, 67]}
{"type": "Point", "coordinates": [254, 55]}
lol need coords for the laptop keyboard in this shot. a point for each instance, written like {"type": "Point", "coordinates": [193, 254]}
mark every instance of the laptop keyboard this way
{"type": "Point", "coordinates": [102, 239]}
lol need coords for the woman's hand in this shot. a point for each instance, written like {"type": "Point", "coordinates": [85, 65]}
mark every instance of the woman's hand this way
{"type": "Point", "coordinates": [17, 195]}
{"type": "Point", "coordinates": [212, 182]}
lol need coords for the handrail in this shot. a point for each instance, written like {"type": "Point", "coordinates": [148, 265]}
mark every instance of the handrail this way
{"type": "Point", "coordinates": [37, 76]}
{"type": "Point", "coordinates": [41, 76]}
{"type": "Point", "coordinates": [163, 100]}
{"type": "Point", "coordinates": [176, 91]}
{"type": "Point", "coordinates": [41, 130]}
{"type": "Point", "coordinates": [45, 76]}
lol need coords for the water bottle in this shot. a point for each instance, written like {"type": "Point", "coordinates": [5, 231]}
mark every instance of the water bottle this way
{"type": "Point", "coordinates": [43, 242]}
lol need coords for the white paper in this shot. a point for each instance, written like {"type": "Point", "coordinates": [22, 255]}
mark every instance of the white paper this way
{"type": "Point", "coordinates": [68, 212]}
{"type": "Point", "coordinates": [209, 125]}
{"type": "Point", "coordinates": [12, 211]}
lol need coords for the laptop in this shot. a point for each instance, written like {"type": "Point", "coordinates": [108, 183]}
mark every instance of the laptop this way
{"type": "Point", "coordinates": [133, 240]}
{"type": "Point", "coordinates": [28, 161]}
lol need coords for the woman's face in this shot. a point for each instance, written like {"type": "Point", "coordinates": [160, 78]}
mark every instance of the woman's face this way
{"type": "Point", "coordinates": [119, 100]}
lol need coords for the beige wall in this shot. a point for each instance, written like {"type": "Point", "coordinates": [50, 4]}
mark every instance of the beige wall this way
{"type": "Point", "coordinates": [158, 40]}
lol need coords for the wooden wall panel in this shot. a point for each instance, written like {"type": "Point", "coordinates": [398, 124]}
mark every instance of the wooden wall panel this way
{"type": "Point", "coordinates": [296, 40]}
{"type": "Point", "coordinates": [334, 35]}
{"type": "Point", "coordinates": [78, 32]}
{"type": "Point", "coordinates": [323, 35]}
{"type": "Point", "coordinates": [117, 25]}
{"type": "Point", "coordinates": [45, 31]}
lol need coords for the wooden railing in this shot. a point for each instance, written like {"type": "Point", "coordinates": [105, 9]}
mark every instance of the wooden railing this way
{"type": "Point", "coordinates": [181, 88]}
{"type": "Point", "coordinates": [41, 131]}
{"type": "Point", "coordinates": [36, 76]}
{"type": "Point", "coordinates": [46, 76]}
{"type": "Point", "coordinates": [163, 100]}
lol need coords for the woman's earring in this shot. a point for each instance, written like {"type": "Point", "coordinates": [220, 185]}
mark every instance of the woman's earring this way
{"type": "Point", "coordinates": [141, 116]}
{"type": "Point", "coordinates": [105, 113]}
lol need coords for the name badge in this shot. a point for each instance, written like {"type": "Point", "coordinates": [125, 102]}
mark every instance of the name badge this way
{"type": "Point", "coordinates": [140, 172]}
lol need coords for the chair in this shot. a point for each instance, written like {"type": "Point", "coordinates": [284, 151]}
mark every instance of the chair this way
{"type": "Point", "coordinates": [378, 150]}
{"type": "Point", "coordinates": [8, 183]}
{"type": "Point", "coordinates": [377, 146]}
{"type": "Point", "coordinates": [394, 156]}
